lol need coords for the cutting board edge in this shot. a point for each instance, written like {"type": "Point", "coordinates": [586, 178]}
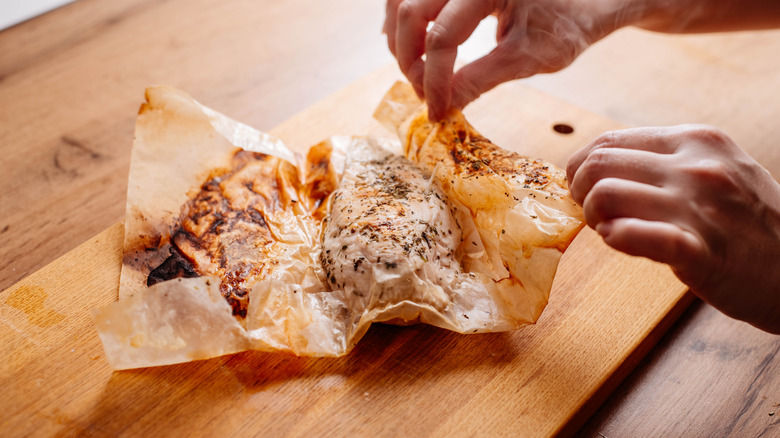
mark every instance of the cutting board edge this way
{"type": "Point", "coordinates": [624, 369]}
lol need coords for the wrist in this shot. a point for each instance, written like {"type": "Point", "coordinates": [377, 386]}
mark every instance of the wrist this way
{"type": "Point", "coordinates": [608, 16]}
{"type": "Point", "coordinates": [657, 15]}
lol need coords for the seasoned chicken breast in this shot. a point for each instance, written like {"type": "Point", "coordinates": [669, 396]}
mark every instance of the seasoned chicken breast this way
{"type": "Point", "coordinates": [390, 238]}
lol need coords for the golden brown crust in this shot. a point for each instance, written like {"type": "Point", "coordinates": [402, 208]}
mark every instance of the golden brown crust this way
{"type": "Point", "coordinates": [224, 228]}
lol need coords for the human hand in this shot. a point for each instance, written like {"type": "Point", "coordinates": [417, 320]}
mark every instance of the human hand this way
{"type": "Point", "coordinates": [533, 36]}
{"type": "Point", "coordinates": [688, 196]}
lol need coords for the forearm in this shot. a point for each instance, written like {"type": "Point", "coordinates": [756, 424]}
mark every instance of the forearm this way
{"type": "Point", "coordinates": [692, 16]}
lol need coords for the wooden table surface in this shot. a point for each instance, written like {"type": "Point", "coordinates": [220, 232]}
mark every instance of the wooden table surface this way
{"type": "Point", "coordinates": [71, 82]}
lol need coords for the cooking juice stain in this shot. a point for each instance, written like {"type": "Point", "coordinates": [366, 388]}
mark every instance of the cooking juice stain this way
{"type": "Point", "coordinates": [30, 300]}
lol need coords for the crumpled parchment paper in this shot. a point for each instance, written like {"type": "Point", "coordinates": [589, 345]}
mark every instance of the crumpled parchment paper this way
{"type": "Point", "coordinates": [292, 307]}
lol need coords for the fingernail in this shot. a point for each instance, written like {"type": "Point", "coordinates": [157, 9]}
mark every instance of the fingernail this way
{"type": "Point", "coordinates": [604, 228]}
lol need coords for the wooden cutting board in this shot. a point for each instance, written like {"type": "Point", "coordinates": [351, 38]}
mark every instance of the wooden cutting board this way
{"type": "Point", "coordinates": [605, 312]}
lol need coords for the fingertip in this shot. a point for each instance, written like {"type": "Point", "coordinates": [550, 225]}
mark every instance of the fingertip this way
{"type": "Point", "coordinates": [433, 116]}
{"type": "Point", "coordinates": [438, 104]}
{"type": "Point", "coordinates": [438, 96]}
{"type": "Point", "coordinates": [578, 189]}
{"type": "Point", "coordinates": [604, 229]}
{"type": "Point", "coordinates": [434, 113]}
{"type": "Point", "coordinates": [572, 165]}
{"type": "Point", "coordinates": [436, 110]}
{"type": "Point", "coordinates": [571, 172]}
{"type": "Point", "coordinates": [660, 241]}
{"type": "Point", "coordinates": [577, 158]}
{"type": "Point", "coordinates": [415, 76]}
{"type": "Point", "coordinates": [437, 81]}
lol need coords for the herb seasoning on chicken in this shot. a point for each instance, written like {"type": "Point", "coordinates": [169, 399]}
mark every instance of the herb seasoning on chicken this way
{"type": "Point", "coordinates": [390, 236]}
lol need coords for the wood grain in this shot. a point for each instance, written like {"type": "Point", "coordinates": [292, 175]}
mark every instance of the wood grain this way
{"type": "Point", "coordinates": [606, 308]}
{"type": "Point", "coordinates": [71, 82]}
{"type": "Point", "coordinates": [78, 72]}
{"type": "Point", "coordinates": [734, 391]}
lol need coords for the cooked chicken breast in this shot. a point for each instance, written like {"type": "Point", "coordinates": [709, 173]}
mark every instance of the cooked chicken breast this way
{"type": "Point", "coordinates": [390, 237]}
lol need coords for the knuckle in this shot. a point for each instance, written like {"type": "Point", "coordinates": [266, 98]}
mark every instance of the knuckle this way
{"type": "Point", "coordinates": [712, 174]}
{"type": "Point", "coordinates": [609, 139]}
{"type": "Point", "coordinates": [590, 173]}
{"type": "Point", "coordinates": [406, 10]}
{"type": "Point", "coordinates": [558, 57]}
{"type": "Point", "coordinates": [437, 38]}
{"type": "Point", "coordinates": [707, 135]}
{"type": "Point", "coordinates": [711, 133]}
{"type": "Point", "coordinates": [597, 204]}
{"type": "Point", "coordinates": [595, 165]}
{"type": "Point", "coordinates": [558, 63]}
{"type": "Point", "coordinates": [600, 158]}
{"type": "Point", "coordinates": [513, 49]}
{"type": "Point", "coordinates": [679, 245]}
{"type": "Point", "coordinates": [601, 194]}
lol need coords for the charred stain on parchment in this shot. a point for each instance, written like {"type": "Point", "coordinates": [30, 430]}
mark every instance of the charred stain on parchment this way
{"type": "Point", "coordinates": [223, 229]}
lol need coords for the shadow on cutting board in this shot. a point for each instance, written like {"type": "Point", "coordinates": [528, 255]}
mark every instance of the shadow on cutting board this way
{"type": "Point", "coordinates": [251, 391]}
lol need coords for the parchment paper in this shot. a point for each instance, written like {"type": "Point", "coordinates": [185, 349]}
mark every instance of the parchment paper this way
{"type": "Point", "coordinates": [178, 144]}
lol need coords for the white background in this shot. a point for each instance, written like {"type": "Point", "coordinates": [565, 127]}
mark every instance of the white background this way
{"type": "Point", "coordinates": [16, 11]}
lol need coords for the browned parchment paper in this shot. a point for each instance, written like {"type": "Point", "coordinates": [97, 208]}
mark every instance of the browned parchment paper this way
{"type": "Point", "coordinates": [293, 308]}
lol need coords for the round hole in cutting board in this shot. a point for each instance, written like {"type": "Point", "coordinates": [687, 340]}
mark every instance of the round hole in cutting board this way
{"type": "Point", "coordinates": [563, 128]}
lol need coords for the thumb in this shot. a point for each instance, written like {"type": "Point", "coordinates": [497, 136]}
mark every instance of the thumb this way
{"type": "Point", "coordinates": [498, 66]}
